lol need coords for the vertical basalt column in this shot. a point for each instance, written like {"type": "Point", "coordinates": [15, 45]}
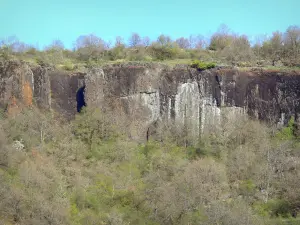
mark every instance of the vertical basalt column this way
{"type": "Point", "coordinates": [17, 84]}
{"type": "Point", "coordinates": [297, 124]}
{"type": "Point", "coordinates": [42, 88]}
{"type": "Point", "coordinates": [94, 87]}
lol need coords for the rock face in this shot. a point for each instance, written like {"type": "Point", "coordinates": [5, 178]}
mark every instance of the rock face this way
{"type": "Point", "coordinates": [155, 93]}
{"type": "Point", "coordinates": [42, 91]}
{"type": "Point", "coordinates": [64, 88]}
{"type": "Point", "coordinates": [16, 84]}
{"type": "Point", "coordinates": [201, 99]}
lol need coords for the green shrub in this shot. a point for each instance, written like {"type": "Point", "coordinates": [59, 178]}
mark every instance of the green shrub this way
{"type": "Point", "coordinates": [163, 52]}
{"type": "Point", "coordinates": [287, 133]}
{"type": "Point", "coordinates": [69, 66]}
{"type": "Point", "coordinates": [247, 187]}
{"type": "Point", "coordinates": [118, 52]}
{"type": "Point", "coordinates": [137, 54]}
{"type": "Point", "coordinates": [274, 208]}
{"type": "Point", "coordinates": [243, 64]}
{"type": "Point", "coordinates": [92, 127]}
{"type": "Point", "coordinates": [202, 65]}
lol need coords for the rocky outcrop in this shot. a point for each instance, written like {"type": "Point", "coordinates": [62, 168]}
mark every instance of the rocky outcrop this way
{"type": "Point", "coordinates": [200, 99]}
{"type": "Point", "coordinates": [42, 90]}
{"type": "Point", "coordinates": [64, 88]}
{"type": "Point", "coordinates": [152, 93]}
{"type": "Point", "coordinates": [16, 85]}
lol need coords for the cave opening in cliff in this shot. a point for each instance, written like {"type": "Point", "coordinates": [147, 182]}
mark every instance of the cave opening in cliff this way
{"type": "Point", "coordinates": [80, 98]}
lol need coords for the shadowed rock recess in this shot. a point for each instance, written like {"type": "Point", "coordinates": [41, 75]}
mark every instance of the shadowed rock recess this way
{"type": "Point", "coordinates": [154, 93]}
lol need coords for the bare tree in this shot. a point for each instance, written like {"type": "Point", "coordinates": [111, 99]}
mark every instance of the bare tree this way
{"type": "Point", "coordinates": [221, 39]}
{"type": "Point", "coordinates": [55, 45]}
{"type": "Point", "coordinates": [273, 48]}
{"type": "Point", "coordinates": [292, 44]}
{"type": "Point", "coordinates": [135, 40]}
{"type": "Point", "coordinates": [292, 37]}
{"type": "Point", "coordinates": [13, 44]}
{"type": "Point", "coordinates": [257, 47]}
{"type": "Point", "coordinates": [89, 41]}
{"type": "Point", "coordinates": [197, 41]}
{"type": "Point", "coordinates": [146, 41]}
{"type": "Point", "coordinates": [119, 41]}
{"type": "Point", "coordinates": [58, 44]}
{"type": "Point", "coordinates": [238, 50]}
{"type": "Point", "coordinates": [90, 46]}
{"type": "Point", "coordinates": [183, 43]}
{"type": "Point", "coordinates": [164, 40]}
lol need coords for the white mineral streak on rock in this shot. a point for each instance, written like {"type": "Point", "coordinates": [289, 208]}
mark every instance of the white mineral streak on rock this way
{"type": "Point", "coordinates": [146, 105]}
{"type": "Point", "coordinates": [152, 102]}
{"type": "Point", "coordinates": [187, 106]}
{"type": "Point", "coordinates": [169, 108]}
{"type": "Point", "coordinates": [94, 91]}
{"type": "Point", "coordinates": [199, 112]}
{"type": "Point", "coordinates": [210, 114]}
{"type": "Point", "coordinates": [194, 109]}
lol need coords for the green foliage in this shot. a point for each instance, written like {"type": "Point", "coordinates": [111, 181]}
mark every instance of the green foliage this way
{"type": "Point", "coordinates": [287, 133]}
{"type": "Point", "coordinates": [29, 127]}
{"type": "Point", "coordinates": [2, 113]}
{"type": "Point", "coordinates": [274, 208]}
{"type": "Point", "coordinates": [69, 66]}
{"type": "Point", "coordinates": [84, 172]}
{"type": "Point", "coordinates": [220, 41]}
{"type": "Point", "coordinates": [247, 187]}
{"type": "Point", "coordinates": [243, 64]}
{"type": "Point", "coordinates": [159, 52]}
{"type": "Point", "coordinates": [137, 54]}
{"type": "Point", "coordinates": [118, 52]}
{"type": "Point", "coordinates": [202, 65]}
{"type": "Point", "coordinates": [224, 47]}
{"type": "Point", "coordinates": [205, 148]}
{"type": "Point", "coordinates": [92, 127]}
{"type": "Point", "coordinates": [5, 53]}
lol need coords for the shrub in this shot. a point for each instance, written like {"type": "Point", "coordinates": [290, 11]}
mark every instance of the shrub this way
{"type": "Point", "coordinates": [287, 133]}
{"type": "Point", "coordinates": [118, 52]}
{"type": "Point", "coordinates": [92, 127]}
{"type": "Point", "coordinates": [163, 52]}
{"type": "Point", "coordinates": [69, 66]}
{"type": "Point", "coordinates": [243, 64]}
{"type": "Point", "coordinates": [202, 65]}
{"type": "Point", "coordinates": [137, 54]}
{"type": "Point", "coordinates": [274, 207]}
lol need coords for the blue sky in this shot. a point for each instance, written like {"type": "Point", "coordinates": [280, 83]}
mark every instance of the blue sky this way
{"type": "Point", "coordinates": [40, 22]}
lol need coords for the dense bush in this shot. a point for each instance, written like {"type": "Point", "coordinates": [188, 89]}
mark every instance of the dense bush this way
{"type": "Point", "coordinates": [287, 133]}
{"type": "Point", "coordinates": [202, 65]}
{"type": "Point", "coordinates": [162, 52]}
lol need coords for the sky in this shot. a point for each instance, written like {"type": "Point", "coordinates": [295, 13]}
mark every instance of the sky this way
{"type": "Point", "coordinates": [39, 22]}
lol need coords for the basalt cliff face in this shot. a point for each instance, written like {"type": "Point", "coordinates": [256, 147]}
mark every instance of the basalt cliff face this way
{"type": "Point", "coordinates": [155, 93]}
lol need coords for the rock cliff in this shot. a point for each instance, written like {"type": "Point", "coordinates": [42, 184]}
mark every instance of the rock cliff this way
{"type": "Point", "coordinates": [154, 92]}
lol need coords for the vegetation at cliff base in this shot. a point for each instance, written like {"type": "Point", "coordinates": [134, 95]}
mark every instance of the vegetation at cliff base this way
{"type": "Point", "coordinates": [91, 171]}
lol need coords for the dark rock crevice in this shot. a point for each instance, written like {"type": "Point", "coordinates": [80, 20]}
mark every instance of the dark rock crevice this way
{"type": "Point", "coordinates": [80, 99]}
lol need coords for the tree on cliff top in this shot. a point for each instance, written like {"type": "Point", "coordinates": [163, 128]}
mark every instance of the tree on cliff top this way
{"type": "Point", "coordinates": [239, 50]}
{"type": "Point", "coordinates": [273, 48]}
{"type": "Point", "coordinates": [135, 40]}
{"type": "Point", "coordinates": [183, 43]}
{"type": "Point", "coordinates": [90, 47]}
{"type": "Point", "coordinates": [292, 44]}
{"type": "Point", "coordinates": [221, 39]}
